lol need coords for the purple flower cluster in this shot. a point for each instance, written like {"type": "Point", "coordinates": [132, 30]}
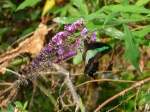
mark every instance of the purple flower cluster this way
{"type": "Point", "coordinates": [56, 45]}
{"type": "Point", "coordinates": [57, 50]}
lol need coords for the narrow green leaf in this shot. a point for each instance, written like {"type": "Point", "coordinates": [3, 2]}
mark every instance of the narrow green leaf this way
{"type": "Point", "coordinates": [65, 20]}
{"type": "Point", "coordinates": [141, 33]}
{"type": "Point", "coordinates": [73, 11]}
{"type": "Point", "coordinates": [142, 2]}
{"type": "Point", "coordinates": [131, 50]}
{"type": "Point", "coordinates": [25, 105]}
{"type": "Point", "coordinates": [126, 8]}
{"type": "Point", "coordinates": [80, 4]}
{"type": "Point", "coordinates": [9, 4]}
{"type": "Point", "coordinates": [27, 3]}
{"type": "Point", "coordinates": [46, 92]}
{"type": "Point", "coordinates": [110, 17]}
{"type": "Point", "coordinates": [98, 14]}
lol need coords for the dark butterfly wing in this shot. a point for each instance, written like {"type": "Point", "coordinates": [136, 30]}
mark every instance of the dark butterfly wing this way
{"type": "Point", "coordinates": [91, 67]}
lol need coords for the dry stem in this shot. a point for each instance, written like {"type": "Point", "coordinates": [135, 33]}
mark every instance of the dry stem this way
{"type": "Point", "coordinates": [71, 87]}
{"type": "Point", "coordinates": [135, 85]}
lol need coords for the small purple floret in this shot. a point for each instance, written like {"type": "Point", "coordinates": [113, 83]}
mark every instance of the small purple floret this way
{"type": "Point", "coordinates": [63, 34]}
{"type": "Point", "coordinates": [69, 54]}
{"type": "Point", "coordinates": [78, 23]}
{"type": "Point", "coordinates": [57, 40]}
{"type": "Point", "coordinates": [84, 32]}
{"type": "Point", "coordinates": [75, 26]}
{"type": "Point", "coordinates": [59, 37]}
{"type": "Point", "coordinates": [60, 51]}
{"type": "Point", "coordinates": [93, 37]}
{"type": "Point", "coordinates": [77, 43]}
{"type": "Point", "coordinates": [35, 64]}
{"type": "Point", "coordinates": [70, 28]}
{"type": "Point", "coordinates": [47, 49]}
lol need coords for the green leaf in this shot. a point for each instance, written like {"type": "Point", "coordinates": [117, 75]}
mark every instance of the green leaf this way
{"type": "Point", "coordinates": [144, 98]}
{"type": "Point", "coordinates": [73, 11]}
{"type": "Point", "coordinates": [80, 4]}
{"type": "Point", "coordinates": [142, 2]}
{"type": "Point", "coordinates": [27, 3]}
{"type": "Point", "coordinates": [77, 59]}
{"type": "Point", "coordinates": [110, 17]}
{"type": "Point", "coordinates": [125, 2]}
{"type": "Point", "coordinates": [25, 105]}
{"type": "Point", "coordinates": [131, 50]}
{"type": "Point", "coordinates": [3, 31]}
{"type": "Point", "coordinates": [98, 14]}
{"type": "Point", "coordinates": [64, 20]}
{"type": "Point", "coordinates": [144, 31]}
{"type": "Point", "coordinates": [10, 108]}
{"type": "Point", "coordinates": [9, 4]}
{"type": "Point", "coordinates": [126, 8]}
{"type": "Point", "coordinates": [19, 105]}
{"type": "Point", "coordinates": [129, 18]}
{"type": "Point", "coordinates": [113, 32]}
{"type": "Point", "coordinates": [19, 61]}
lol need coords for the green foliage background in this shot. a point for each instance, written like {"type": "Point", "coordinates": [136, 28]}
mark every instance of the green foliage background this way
{"type": "Point", "coordinates": [113, 18]}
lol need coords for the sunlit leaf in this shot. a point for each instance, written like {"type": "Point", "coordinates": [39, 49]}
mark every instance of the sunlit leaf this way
{"type": "Point", "coordinates": [25, 105]}
{"type": "Point", "coordinates": [141, 2]}
{"type": "Point", "coordinates": [19, 104]}
{"type": "Point", "coordinates": [77, 59]}
{"type": "Point", "coordinates": [49, 4]}
{"type": "Point", "coordinates": [113, 32]}
{"type": "Point", "coordinates": [64, 20]}
{"type": "Point", "coordinates": [9, 4]}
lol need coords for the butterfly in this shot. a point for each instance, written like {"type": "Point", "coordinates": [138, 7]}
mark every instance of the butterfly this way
{"type": "Point", "coordinates": [94, 51]}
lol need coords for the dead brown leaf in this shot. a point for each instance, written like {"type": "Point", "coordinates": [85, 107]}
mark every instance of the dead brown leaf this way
{"type": "Point", "coordinates": [31, 45]}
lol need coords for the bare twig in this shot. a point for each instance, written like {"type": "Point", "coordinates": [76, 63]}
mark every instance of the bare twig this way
{"type": "Point", "coordinates": [135, 85]}
{"type": "Point", "coordinates": [71, 87]}
{"type": "Point", "coordinates": [15, 73]}
{"type": "Point", "coordinates": [33, 94]}
{"type": "Point", "coordinates": [5, 84]}
{"type": "Point", "coordinates": [121, 103]}
{"type": "Point", "coordinates": [105, 80]}
{"type": "Point", "coordinates": [47, 93]}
